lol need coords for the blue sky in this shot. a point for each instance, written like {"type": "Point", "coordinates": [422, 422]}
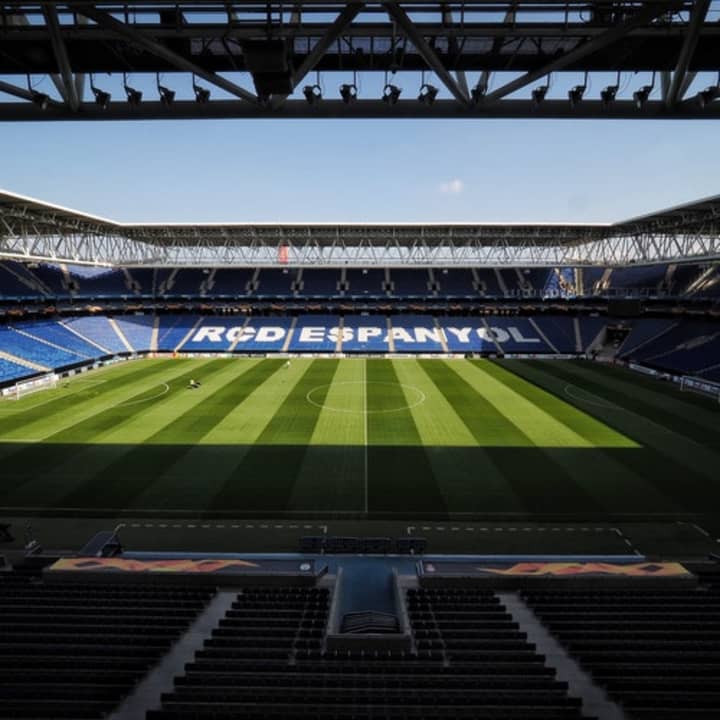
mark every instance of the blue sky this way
{"type": "Point", "coordinates": [339, 170]}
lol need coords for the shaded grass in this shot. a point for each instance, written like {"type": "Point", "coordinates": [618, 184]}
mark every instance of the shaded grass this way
{"type": "Point", "coordinates": [400, 475]}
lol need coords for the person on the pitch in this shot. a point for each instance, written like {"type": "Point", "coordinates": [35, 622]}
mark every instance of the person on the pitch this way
{"type": "Point", "coordinates": [194, 384]}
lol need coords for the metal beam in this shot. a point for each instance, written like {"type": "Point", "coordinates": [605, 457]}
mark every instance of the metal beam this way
{"type": "Point", "coordinates": [609, 37]}
{"type": "Point", "coordinates": [425, 51]}
{"type": "Point", "coordinates": [454, 47]}
{"type": "Point", "coordinates": [339, 25]}
{"type": "Point", "coordinates": [362, 109]}
{"type": "Point", "coordinates": [69, 90]}
{"type": "Point", "coordinates": [697, 18]}
{"type": "Point", "coordinates": [152, 46]}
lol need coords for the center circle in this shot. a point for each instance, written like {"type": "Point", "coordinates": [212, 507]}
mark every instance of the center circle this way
{"type": "Point", "coordinates": [412, 397]}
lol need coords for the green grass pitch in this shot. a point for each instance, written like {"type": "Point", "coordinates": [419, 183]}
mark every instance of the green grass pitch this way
{"type": "Point", "coordinates": [385, 438]}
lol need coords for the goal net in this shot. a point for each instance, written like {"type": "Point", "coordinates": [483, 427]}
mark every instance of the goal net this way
{"type": "Point", "coordinates": [21, 389]}
{"type": "Point", "coordinates": [704, 387]}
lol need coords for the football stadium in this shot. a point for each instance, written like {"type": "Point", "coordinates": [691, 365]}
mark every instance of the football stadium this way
{"type": "Point", "coordinates": [358, 470]}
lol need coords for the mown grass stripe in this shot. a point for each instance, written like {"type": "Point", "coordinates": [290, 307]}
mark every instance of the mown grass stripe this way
{"type": "Point", "coordinates": [23, 463]}
{"type": "Point", "coordinates": [265, 477]}
{"type": "Point", "coordinates": [337, 447]}
{"type": "Point", "coordinates": [690, 415]}
{"type": "Point", "coordinates": [223, 447]}
{"type": "Point", "coordinates": [465, 472]}
{"type": "Point", "coordinates": [531, 473]}
{"type": "Point", "coordinates": [400, 475]}
{"type": "Point", "coordinates": [71, 404]}
{"type": "Point", "coordinates": [132, 473]}
{"type": "Point", "coordinates": [608, 470]}
{"type": "Point", "coordinates": [665, 460]}
{"type": "Point", "coordinates": [596, 433]}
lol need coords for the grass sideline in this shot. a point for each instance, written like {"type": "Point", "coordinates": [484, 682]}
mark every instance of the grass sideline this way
{"type": "Point", "coordinates": [357, 438]}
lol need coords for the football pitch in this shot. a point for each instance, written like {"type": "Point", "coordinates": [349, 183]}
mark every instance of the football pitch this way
{"type": "Point", "coordinates": [404, 438]}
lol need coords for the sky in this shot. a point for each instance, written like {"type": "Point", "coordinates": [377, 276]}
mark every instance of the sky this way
{"type": "Point", "coordinates": [363, 171]}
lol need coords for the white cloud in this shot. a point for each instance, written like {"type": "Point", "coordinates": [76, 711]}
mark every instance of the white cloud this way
{"type": "Point", "coordinates": [452, 187]}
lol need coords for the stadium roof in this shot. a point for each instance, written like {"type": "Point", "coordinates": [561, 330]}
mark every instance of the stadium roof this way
{"type": "Point", "coordinates": [247, 59]}
{"type": "Point", "coordinates": [33, 229]}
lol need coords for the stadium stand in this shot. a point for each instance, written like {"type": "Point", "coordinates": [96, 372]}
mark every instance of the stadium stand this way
{"type": "Point", "coordinates": [320, 283]}
{"type": "Point", "coordinates": [275, 283]}
{"type": "Point", "coordinates": [466, 334]}
{"type": "Point", "coordinates": [75, 651]}
{"type": "Point", "coordinates": [409, 283]}
{"type": "Point", "coordinates": [365, 283]}
{"type": "Point", "coordinates": [99, 330]}
{"type": "Point", "coordinates": [230, 282]}
{"type": "Point", "coordinates": [657, 652]}
{"type": "Point", "coordinates": [416, 333]}
{"type": "Point", "coordinates": [558, 331]}
{"type": "Point", "coordinates": [311, 334]}
{"type": "Point", "coordinates": [51, 279]}
{"type": "Point", "coordinates": [648, 278]}
{"type": "Point", "coordinates": [368, 334]}
{"type": "Point", "coordinates": [488, 282]}
{"type": "Point", "coordinates": [59, 335]}
{"type": "Point", "coordinates": [590, 328]}
{"type": "Point", "coordinates": [43, 354]}
{"type": "Point", "coordinates": [455, 282]}
{"type": "Point", "coordinates": [173, 329]}
{"type": "Point", "coordinates": [187, 282]}
{"type": "Point", "coordinates": [137, 329]}
{"type": "Point", "coordinates": [12, 371]}
{"type": "Point", "coordinates": [97, 282]}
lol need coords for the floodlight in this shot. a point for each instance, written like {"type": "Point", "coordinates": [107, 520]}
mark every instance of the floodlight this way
{"type": "Point", "coordinates": [575, 95]}
{"type": "Point", "coordinates": [607, 95]}
{"type": "Point", "coordinates": [202, 94]}
{"type": "Point", "coordinates": [706, 96]}
{"type": "Point", "coordinates": [391, 94]}
{"type": "Point", "coordinates": [479, 91]}
{"type": "Point", "coordinates": [640, 96]}
{"type": "Point", "coordinates": [428, 93]}
{"type": "Point", "coordinates": [348, 93]}
{"type": "Point", "coordinates": [538, 94]}
{"type": "Point", "coordinates": [312, 93]}
{"type": "Point", "coordinates": [102, 98]}
{"type": "Point", "coordinates": [167, 96]}
{"type": "Point", "coordinates": [134, 97]}
{"type": "Point", "coordinates": [40, 99]}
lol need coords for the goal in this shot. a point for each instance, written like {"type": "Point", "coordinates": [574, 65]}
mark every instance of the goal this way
{"type": "Point", "coordinates": [21, 389]}
{"type": "Point", "coordinates": [704, 387]}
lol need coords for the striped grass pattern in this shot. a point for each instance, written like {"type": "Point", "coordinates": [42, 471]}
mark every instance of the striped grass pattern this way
{"type": "Point", "coordinates": [383, 438]}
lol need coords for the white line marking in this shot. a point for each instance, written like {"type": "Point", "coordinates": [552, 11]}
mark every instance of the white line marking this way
{"type": "Point", "coordinates": [143, 400]}
{"type": "Point", "coordinates": [592, 400]}
{"type": "Point", "coordinates": [420, 397]}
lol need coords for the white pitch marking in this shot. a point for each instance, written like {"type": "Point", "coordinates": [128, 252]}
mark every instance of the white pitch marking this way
{"type": "Point", "coordinates": [143, 400]}
{"type": "Point", "coordinates": [421, 397]}
{"type": "Point", "coordinates": [592, 400]}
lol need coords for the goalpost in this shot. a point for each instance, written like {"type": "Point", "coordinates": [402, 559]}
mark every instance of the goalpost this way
{"type": "Point", "coordinates": [704, 387]}
{"type": "Point", "coordinates": [21, 389]}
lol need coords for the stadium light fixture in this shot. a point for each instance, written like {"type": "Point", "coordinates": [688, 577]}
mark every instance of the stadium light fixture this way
{"type": "Point", "coordinates": [202, 94]}
{"type": "Point", "coordinates": [134, 97]}
{"type": "Point", "coordinates": [479, 91]}
{"type": "Point", "coordinates": [40, 99]}
{"type": "Point", "coordinates": [391, 94]}
{"type": "Point", "coordinates": [706, 96]}
{"type": "Point", "coordinates": [608, 93]}
{"type": "Point", "coordinates": [538, 95]}
{"type": "Point", "coordinates": [641, 96]}
{"type": "Point", "coordinates": [348, 93]}
{"type": "Point", "coordinates": [575, 95]}
{"type": "Point", "coordinates": [167, 96]}
{"type": "Point", "coordinates": [428, 93]}
{"type": "Point", "coordinates": [102, 98]}
{"type": "Point", "coordinates": [313, 94]}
